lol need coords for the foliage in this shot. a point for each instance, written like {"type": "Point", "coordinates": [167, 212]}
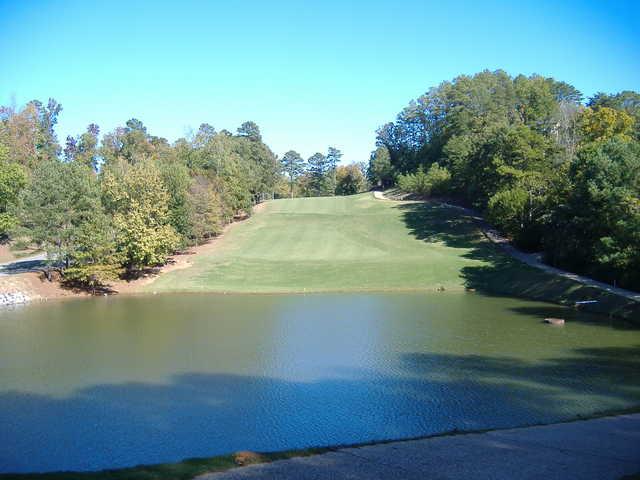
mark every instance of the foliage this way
{"type": "Point", "coordinates": [596, 230]}
{"type": "Point", "coordinates": [293, 166]}
{"type": "Point", "coordinates": [177, 181]}
{"type": "Point", "coordinates": [137, 199]}
{"type": "Point", "coordinates": [251, 131]}
{"type": "Point", "coordinates": [514, 147]}
{"type": "Point", "coordinates": [605, 123]}
{"type": "Point", "coordinates": [29, 133]}
{"type": "Point", "coordinates": [332, 160]}
{"type": "Point", "coordinates": [317, 170]}
{"type": "Point", "coordinates": [128, 201]}
{"type": "Point", "coordinates": [627, 101]}
{"type": "Point", "coordinates": [350, 180]}
{"type": "Point", "coordinates": [205, 209]}
{"type": "Point", "coordinates": [434, 182]}
{"type": "Point", "coordinates": [13, 179]}
{"type": "Point", "coordinates": [84, 149]}
{"type": "Point", "coordinates": [96, 262]}
{"type": "Point", "coordinates": [59, 209]}
{"type": "Point", "coordinates": [380, 171]}
{"type": "Point", "coordinates": [518, 209]}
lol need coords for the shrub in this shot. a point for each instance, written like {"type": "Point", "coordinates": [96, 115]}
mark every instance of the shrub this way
{"type": "Point", "coordinates": [434, 182]}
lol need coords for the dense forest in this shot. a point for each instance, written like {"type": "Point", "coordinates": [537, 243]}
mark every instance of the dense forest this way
{"type": "Point", "coordinates": [107, 207]}
{"type": "Point", "coordinates": [556, 173]}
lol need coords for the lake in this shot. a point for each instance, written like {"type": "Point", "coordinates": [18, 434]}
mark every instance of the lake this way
{"type": "Point", "coordinates": [114, 382]}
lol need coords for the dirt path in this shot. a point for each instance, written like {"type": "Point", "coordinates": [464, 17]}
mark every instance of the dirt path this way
{"type": "Point", "coordinates": [532, 259]}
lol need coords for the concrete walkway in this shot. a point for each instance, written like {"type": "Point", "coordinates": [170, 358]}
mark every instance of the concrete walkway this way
{"type": "Point", "coordinates": [604, 448]}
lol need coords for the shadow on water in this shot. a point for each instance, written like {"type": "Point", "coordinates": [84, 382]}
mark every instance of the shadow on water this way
{"type": "Point", "coordinates": [501, 275]}
{"type": "Point", "coordinates": [197, 414]}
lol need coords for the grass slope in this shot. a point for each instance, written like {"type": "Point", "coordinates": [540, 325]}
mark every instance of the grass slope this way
{"type": "Point", "coordinates": [358, 243]}
{"type": "Point", "coordinates": [328, 244]}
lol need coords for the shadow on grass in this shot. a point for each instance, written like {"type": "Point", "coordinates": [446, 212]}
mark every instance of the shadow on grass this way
{"type": "Point", "coordinates": [503, 275]}
{"type": "Point", "coordinates": [22, 266]}
{"type": "Point", "coordinates": [432, 223]}
{"type": "Point", "coordinates": [198, 414]}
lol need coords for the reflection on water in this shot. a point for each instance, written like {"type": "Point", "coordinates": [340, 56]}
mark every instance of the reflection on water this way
{"type": "Point", "coordinates": [114, 382]}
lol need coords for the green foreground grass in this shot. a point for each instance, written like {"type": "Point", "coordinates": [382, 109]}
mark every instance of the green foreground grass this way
{"type": "Point", "coordinates": [359, 243]}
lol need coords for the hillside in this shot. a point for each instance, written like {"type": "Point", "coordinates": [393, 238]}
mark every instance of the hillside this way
{"type": "Point", "coordinates": [358, 243]}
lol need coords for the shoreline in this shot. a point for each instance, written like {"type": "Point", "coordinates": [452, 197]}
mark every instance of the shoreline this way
{"type": "Point", "coordinates": [202, 467]}
{"type": "Point", "coordinates": [541, 285]}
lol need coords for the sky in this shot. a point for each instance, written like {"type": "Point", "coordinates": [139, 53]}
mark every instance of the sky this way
{"type": "Point", "coordinates": [310, 74]}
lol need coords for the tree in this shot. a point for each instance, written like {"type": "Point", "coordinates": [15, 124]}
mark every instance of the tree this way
{"type": "Point", "coordinates": [332, 161]}
{"type": "Point", "coordinates": [518, 209]}
{"type": "Point", "coordinates": [317, 171]}
{"type": "Point", "coordinates": [380, 171]}
{"type": "Point", "coordinates": [47, 147]}
{"type": "Point", "coordinates": [13, 178]}
{"type": "Point", "coordinates": [177, 181]}
{"type": "Point", "coordinates": [205, 210]}
{"type": "Point", "coordinates": [250, 130]}
{"type": "Point", "coordinates": [604, 123]}
{"type": "Point", "coordinates": [350, 180]}
{"type": "Point", "coordinates": [19, 132]}
{"type": "Point", "coordinates": [138, 201]}
{"type": "Point", "coordinates": [60, 207]}
{"type": "Point", "coordinates": [596, 228]}
{"type": "Point", "coordinates": [627, 101]}
{"type": "Point", "coordinates": [84, 148]}
{"type": "Point", "coordinates": [293, 166]}
{"type": "Point", "coordinates": [131, 143]}
{"type": "Point", "coordinates": [204, 135]}
{"type": "Point", "coordinates": [96, 260]}
{"type": "Point", "coordinates": [434, 182]}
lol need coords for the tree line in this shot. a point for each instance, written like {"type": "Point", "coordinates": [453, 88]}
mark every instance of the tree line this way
{"type": "Point", "coordinates": [556, 173]}
{"type": "Point", "coordinates": [113, 206]}
{"type": "Point", "coordinates": [321, 175]}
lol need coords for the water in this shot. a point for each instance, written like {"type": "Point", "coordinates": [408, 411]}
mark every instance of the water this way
{"type": "Point", "coordinates": [114, 382]}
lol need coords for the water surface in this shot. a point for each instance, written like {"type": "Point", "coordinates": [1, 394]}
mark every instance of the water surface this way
{"type": "Point", "coordinates": [114, 382]}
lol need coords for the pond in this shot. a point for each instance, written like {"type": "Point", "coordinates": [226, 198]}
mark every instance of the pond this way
{"type": "Point", "coordinates": [114, 382]}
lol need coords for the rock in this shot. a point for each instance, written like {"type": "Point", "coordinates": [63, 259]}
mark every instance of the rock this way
{"type": "Point", "coordinates": [247, 458]}
{"type": "Point", "coordinates": [13, 298]}
{"type": "Point", "coordinates": [554, 321]}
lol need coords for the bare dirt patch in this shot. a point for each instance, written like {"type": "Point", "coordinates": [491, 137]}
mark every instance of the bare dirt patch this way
{"type": "Point", "coordinates": [6, 255]}
{"type": "Point", "coordinates": [36, 287]}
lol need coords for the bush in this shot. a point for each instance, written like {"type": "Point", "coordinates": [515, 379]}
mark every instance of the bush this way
{"type": "Point", "coordinates": [434, 182]}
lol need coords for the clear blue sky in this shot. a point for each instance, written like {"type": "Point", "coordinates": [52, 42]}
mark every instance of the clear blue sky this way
{"type": "Point", "coordinates": [311, 74]}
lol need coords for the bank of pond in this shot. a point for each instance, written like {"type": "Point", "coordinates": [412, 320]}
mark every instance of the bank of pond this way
{"type": "Point", "coordinates": [111, 382]}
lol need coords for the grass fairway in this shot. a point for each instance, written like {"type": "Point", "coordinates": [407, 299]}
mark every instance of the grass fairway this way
{"type": "Point", "coordinates": [330, 244]}
{"type": "Point", "coordinates": [359, 243]}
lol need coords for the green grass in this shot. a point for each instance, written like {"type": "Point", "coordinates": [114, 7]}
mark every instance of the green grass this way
{"type": "Point", "coordinates": [184, 470]}
{"type": "Point", "coordinates": [358, 243]}
{"type": "Point", "coordinates": [326, 244]}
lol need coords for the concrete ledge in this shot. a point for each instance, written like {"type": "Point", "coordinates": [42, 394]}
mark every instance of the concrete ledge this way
{"type": "Point", "coordinates": [603, 448]}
